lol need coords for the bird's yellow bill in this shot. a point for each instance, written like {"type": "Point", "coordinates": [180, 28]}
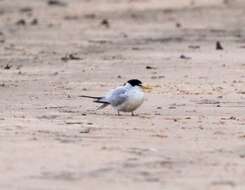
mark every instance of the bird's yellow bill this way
{"type": "Point", "coordinates": [147, 88]}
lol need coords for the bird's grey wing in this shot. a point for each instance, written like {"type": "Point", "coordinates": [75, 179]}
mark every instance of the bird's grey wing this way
{"type": "Point", "coordinates": [117, 96]}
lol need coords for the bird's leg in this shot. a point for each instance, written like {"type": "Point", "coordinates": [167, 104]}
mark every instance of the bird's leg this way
{"type": "Point", "coordinates": [118, 113]}
{"type": "Point", "coordinates": [132, 113]}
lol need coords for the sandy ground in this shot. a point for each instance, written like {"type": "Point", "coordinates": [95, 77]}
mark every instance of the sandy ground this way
{"type": "Point", "coordinates": [189, 134]}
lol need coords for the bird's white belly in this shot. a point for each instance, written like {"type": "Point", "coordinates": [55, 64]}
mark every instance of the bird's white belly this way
{"type": "Point", "coordinates": [134, 100]}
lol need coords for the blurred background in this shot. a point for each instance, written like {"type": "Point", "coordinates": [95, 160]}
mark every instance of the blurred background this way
{"type": "Point", "coordinates": [189, 133]}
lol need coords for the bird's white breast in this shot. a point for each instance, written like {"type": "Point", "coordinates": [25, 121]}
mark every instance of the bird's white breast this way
{"type": "Point", "coordinates": [134, 100]}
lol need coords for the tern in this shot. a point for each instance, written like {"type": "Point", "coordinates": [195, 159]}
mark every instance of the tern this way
{"type": "Point", "coordinates": [125, 98]}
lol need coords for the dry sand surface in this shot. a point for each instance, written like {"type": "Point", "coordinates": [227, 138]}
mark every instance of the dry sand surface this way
{"type": "Point", "coordinates": [188, 135]}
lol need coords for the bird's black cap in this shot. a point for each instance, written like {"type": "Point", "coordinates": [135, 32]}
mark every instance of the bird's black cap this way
{"type": "Point", "coordinates": [135, 82]}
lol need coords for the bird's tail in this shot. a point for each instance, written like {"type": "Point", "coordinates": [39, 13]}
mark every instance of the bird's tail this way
{"type": "Point", "coordinates": [97, 100]}
{"type": "Point", "coordinates": [92, 97]}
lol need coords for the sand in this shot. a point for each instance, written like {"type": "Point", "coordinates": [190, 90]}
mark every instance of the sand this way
{"type": "Point", "coordinates": [189, 134]}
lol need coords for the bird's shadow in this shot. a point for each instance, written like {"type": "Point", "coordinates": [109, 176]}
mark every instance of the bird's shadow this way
{"type": "Point", "coordinates": [121, 115]}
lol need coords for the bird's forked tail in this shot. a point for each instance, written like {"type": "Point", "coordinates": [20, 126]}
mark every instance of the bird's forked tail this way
{"type": "Point", "coordinates": [92, 97]}
{"type": "Point", "coordinates": [97, 100]}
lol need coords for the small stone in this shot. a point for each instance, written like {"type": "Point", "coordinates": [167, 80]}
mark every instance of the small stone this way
{"type": "Point", "coordinates": [178, 25]}
{"type": "Point", "coordinates": [219, 46]}
{"type": "Point", "coordinates": [56, 3]}
{"type": "Point", "coordinates": [105, 23]}
{"type": "Point", "coordinates": [21, 22]}
{"type": "Point", "coordinates": [184, 57]}
{"type": "Point", "coordinates": [232, 118]}
{"type": "Point", "coordinates": [34, 21]}
{"type": "Point", "coordinates": [150, 67]}
{"type": "Point", "coordinates": [7, 67]}
{"type": "Point", "coordinates": [70, 57]}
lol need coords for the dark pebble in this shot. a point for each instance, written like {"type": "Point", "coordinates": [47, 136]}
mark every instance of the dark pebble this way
{"type": "Point", "coordinates": [7, 67]}
{"type": "Point", "coordinates": [184, 57]}
{"type": "Point", "coordinates": [21, 22]}
{"type": "Point", "coordinates": [105, 23]}
{"type": "Point", "coordinates": [34, 21]}
{"type": "Point", "coordinates": [219, 46]}
{"type": "Point", "coordinates": [56, 3]}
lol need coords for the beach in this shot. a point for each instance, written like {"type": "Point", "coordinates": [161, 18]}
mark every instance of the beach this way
{"type": "Point", "coordinates": [189, 134]}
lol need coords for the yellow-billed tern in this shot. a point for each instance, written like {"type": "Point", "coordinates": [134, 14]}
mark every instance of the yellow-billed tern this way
{"type": "Point", "coordinates": [126, 98]}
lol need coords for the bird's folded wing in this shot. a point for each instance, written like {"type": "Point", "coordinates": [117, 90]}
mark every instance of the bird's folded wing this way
{"type": "Point", "coordinates": [118, 96]}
